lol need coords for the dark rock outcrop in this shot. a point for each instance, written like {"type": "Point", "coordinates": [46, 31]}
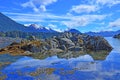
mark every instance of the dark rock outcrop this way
{"type": "Point", "coordinates": [96, 43]}
{"type": "Point", "coordinates": [77, 42]}
{"type": "Point", "coordinates": [66, 42]}
{"type": "Point", "coordinates": [117, 36]}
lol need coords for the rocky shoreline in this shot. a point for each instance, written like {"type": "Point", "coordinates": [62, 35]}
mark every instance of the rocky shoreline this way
{"type": "Point", "coordinates": [67, 42]}
{"type": "Point", "coordinates": [117, 36]}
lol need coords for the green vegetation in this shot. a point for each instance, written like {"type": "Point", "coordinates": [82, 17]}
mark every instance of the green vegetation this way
{"type": "Point", "coordinates": [26, 35]}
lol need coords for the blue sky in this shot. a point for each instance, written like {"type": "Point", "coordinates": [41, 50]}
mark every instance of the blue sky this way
{"type": "Point", "coordinates": [84, 15]}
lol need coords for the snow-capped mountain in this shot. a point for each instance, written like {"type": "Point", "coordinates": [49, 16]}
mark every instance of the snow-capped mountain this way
{"type": "Point", "coordinates": [37, 28]}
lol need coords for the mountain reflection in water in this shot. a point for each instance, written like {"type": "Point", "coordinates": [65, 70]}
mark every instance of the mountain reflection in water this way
{"type": "Point", "coordinates": [70, 66]}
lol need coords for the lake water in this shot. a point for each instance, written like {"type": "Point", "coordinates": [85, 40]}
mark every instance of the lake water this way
{"type": "Point", "coordinates": [83, 67]}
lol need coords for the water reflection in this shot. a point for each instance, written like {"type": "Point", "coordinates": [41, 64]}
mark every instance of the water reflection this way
{"type": "Point", "coordinates": [115, 43]}
{"type": "Point", "coordinates": [89, 65]}
{"type": "Point", "coordinates": [52, 68]}
{"type": "Point", "coordinates": [96, 55]}
{"type": "Point", "coordinates": [6, 59]}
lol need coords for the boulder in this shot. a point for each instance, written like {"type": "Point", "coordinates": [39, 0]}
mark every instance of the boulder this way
{"type": "Point", "coordinates": [31, 48]}
{"type": "Point", "coordinates": [97, 43]}
{"type": "Point", "coordinates": [53, 43]}
{"type": "Point", "coordinates": [54, 50]}
{"type": "Point", "coordinates": [67, 42]}
{"type": "Point", "coordinates": [63, 47]}
{"type": "Point", "coordinates": [75, 48]}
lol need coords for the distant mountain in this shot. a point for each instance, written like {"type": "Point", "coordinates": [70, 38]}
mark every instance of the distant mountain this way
{"type": "Point", "coordinates": [37, 28]}
{"type": "Point", "coordinates": [7, 24]}
{"type": "Point", "coordinates": [104, 33]}
{"type": "Point", "coordinates": [73, 31]}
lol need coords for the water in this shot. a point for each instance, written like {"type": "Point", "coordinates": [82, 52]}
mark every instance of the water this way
{"type": "Point", "coordinates": [83, 67]}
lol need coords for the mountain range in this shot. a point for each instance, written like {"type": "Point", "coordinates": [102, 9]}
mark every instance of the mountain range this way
{"type": "Point", "coordinates": [7, 24]}
{"type": "Point", "coordinates": [104, 33]}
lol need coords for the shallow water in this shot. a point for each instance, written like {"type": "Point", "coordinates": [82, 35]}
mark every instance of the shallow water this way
{"type": "Point", "coordinates": [84, 67]}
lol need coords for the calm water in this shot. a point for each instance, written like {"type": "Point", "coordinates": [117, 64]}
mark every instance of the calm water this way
{"type": "Point", "coordinates": [84, 67]}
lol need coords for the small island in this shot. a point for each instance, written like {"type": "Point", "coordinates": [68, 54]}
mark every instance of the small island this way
{"type": "Point", "coordinates": [64, 43]}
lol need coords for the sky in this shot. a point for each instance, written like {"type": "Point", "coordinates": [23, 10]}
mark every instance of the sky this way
{"type": "Point", "coordinates": [60, 15]}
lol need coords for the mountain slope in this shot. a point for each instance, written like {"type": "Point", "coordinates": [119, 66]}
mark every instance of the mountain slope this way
{"type": "Point", "coordinates": [7, 24]}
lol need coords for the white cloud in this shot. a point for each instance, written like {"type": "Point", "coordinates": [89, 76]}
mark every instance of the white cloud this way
{"type": "Point", "coordinates": [115, 23]}
{"type": "Point", "coordinates": [54, 27]}
{"type": "Point", "coordinates": [70, 21]}
{"type": "Point", "coordinates": [43, 8]}
{"type": "Point", "coordinates": [84, 8]}
{"type": "Point", "coordinates": [111, 26]}
{"type": "Point", "coordinates": [77, 21]}
{"type": "Point", "coordinates": [107, 2]}
{"type": "Point", "coordinates": [93, 6]}
{"type": "Point", "coordinates": [38, 5]}
{"type": "Point", "coordinates": [34, 17]}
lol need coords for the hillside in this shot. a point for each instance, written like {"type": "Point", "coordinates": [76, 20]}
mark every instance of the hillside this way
{"type": "Point", "coordinates": [7, 24]}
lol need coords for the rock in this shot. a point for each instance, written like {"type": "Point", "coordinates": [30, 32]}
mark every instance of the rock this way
{"type": "Point", "coordinates": [46, 47]}
{"type": "Point", "coordinates": [97, 43]}
{"type": "Point", "coordinates": [31, 38]}
{"type": "Point", "coordinates": [53, 44]}
{"type": "Point", "coordinates": [67, 42]}
{"type": "Point", "coordinates": [63, 47]}
{"type": "Point", "coordinates": [28, 53]}
{"type": "Point", "coordinates": [14, 43]}
{"type": "Point", "coordinates": [117, 36]}
{"type": "Point", "coordinates": [75, 48]}
{"type": "Point", "coordinates": [55, 50]}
